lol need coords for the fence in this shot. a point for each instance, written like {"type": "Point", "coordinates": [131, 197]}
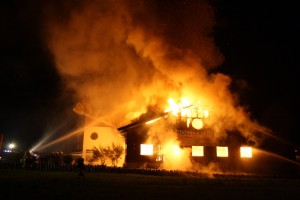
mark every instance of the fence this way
{"type": "Point", "coordinates": [88, 169]}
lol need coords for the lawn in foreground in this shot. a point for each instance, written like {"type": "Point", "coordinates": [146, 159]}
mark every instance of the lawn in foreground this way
{"type": "Point", "coordinates": [66, 185]}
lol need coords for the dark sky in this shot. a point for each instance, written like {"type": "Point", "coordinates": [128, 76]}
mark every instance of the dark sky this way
{"type": "Point", "coordinates": [259, 42]}
{"type": "Point", "coordinates": [32, 103]}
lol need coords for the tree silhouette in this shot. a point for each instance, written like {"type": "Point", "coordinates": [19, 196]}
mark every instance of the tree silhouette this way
{"type": "Point", "coordinates": [113, 153]}
{"type": "Point", "coordinates": [99, 154]}
{"type": "Point", "coordinates": [117, 151]}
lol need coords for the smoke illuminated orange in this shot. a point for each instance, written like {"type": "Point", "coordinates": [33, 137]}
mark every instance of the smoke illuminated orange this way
{"type": "Point", "coordinates": [118, 64]}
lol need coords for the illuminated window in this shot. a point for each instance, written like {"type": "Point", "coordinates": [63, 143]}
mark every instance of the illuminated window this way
{"type": "Point", "coordinates": [147, 149]}
{"type": "Point", "coordinates": [246, 152]}
{"type": "Point", "coordinates": [205, 113]}
{"type": "Point", "coordinates": [197, 151]}
{"type": "Point", "coordinates": [222, 151]}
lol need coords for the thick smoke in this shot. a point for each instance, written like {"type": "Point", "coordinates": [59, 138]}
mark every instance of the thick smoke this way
{"type": "Point", "coordinates": [121, 56]}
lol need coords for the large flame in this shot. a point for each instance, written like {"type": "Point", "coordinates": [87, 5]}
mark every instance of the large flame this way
{"type": "Point", "coordinates": [195, 113]}
{"type": "Point", "coordinates": [176, 157]}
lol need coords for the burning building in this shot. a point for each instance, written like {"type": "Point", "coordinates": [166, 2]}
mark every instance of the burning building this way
{"type": "Point", "coordinates": [120, 56]}
{"type": "Point", "coordinates": [181, 137]}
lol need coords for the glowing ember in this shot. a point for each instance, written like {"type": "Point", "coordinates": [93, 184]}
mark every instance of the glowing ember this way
{"type": "Point", "coordinates": [246, 152]}
{"type": "Point", "coordinates": [222, 151]}
{"type": "Point", "coordinates": [147, 149]}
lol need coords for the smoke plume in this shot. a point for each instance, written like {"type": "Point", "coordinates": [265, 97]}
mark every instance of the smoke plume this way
{"type": "Point", "coordinates": [120, 56]}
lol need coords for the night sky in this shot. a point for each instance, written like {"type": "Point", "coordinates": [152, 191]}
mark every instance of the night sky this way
{"type": "Point", "coordinates": [259, 43]}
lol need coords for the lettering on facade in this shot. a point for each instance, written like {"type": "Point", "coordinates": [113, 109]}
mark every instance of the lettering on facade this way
{"type": "Point", "coordinates": [195, 133]}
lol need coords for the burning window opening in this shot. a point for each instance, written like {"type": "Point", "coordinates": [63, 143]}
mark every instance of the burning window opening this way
{"type": "Point", "coordinates": [147, 149]}
{"type": "Point", "coordinates": [246, 152]}
{"type": "Point", "coordinates": [222, 151]}
{"type": "Point", "coordinates": [197, 151]}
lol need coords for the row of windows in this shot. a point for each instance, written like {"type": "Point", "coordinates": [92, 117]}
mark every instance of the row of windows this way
{"type": "Point", "coordinates": [197, 151]}
{"type": "Point", "coordinates": [222, 151]}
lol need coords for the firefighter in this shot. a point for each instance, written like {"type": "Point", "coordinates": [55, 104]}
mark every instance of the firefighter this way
{"type": "Point", "coordinates": [80, 166]}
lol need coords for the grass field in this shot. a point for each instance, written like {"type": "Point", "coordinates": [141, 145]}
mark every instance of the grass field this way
{"type": "Point", "coordinates": [19, 183]}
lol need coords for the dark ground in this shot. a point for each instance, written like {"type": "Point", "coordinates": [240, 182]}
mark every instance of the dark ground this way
{"type": "Point", "coordinates": [20, 183]}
